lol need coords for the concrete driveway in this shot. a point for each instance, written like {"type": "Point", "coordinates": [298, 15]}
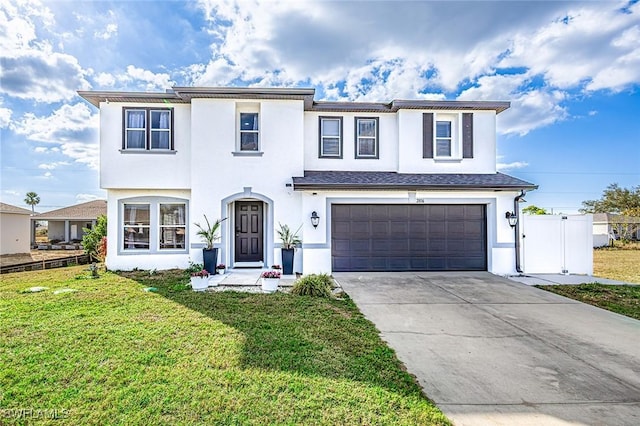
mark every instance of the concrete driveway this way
{"type": "Point", "coordinates": [489, 351]}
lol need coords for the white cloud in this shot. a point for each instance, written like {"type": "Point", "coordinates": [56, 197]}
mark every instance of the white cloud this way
{"type": "Point", "coordinates": [5, 117]}
{"type": "Point", "coordinates": [105, 79]}
{"type": "Point", "coordinates": [73, 129]}
{"type": "Point", "coordinates": [30, 68]}
{"type": "Point", "coordinates": [83, 198]}
{"type": "Point", "coordinates": [150, 81]}
{"type": "Point", "coordinates": [502, 167]}
{"type": "Point", "coordinates": [52, 166]}
{"type": "Point", "coordinates": [110, 31]}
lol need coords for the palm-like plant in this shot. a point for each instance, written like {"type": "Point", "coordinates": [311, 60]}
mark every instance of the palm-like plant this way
{"type": "Point", "coordinates": [289, 239]}
{"type": "Point", "coordinates": [32, 199]}
{"type": "Point", "coordinates": [209, 233]}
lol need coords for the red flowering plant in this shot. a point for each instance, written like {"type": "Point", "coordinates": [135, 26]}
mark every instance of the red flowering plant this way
{"type": "Point", "coordinates": [270, 274]}
{"type": "Point", "coordinates": [203, 273]}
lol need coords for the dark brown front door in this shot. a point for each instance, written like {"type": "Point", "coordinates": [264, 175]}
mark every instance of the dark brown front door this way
{"type": "Point", "coordinates": [249, 231]}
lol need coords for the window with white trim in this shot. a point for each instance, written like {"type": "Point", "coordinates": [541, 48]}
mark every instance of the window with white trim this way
{"type": "Point", "coordinates": [366, 137]}
{"type": "Point", "coordinates": [172, 226]}
{"type": "Point", "coordinates": [330, 138]}
{"type": "Point", "coordinates": [153, 225]}
{"type": "Point", "coordinates": [146, 129]}
{"type": "Point", "coordinates": [137, 222]}
{"type": "Point", "coordinates": [249, 131]}
{"type": "Point", "coordinates": [446, 136]}
{"type": "Point", "coordinates": [443, 138]}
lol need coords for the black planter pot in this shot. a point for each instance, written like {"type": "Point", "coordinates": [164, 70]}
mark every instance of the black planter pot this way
{"type": "Point", "coordinates": [210, 257]}
{"type": "Point", "coordinates": [287, 261]}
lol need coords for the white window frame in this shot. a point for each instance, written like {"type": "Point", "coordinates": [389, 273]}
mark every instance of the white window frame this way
{"type": "Point", "coordinates": [455, 140]}
{"type": "Point", "coordinates": [248, 108]}
{"type": "Point", "coordinates": [123, 247]}
{"type": "Point", "coordinates": [155, 228]}
{"type": "Point", "coordinates": [161, 226]}
{"type": "Point", "coordinates": [375, 138]}
{"type": "Point", "coordinates": [322, 137]}
{"type": "Point", "coordinates": [127, 129]}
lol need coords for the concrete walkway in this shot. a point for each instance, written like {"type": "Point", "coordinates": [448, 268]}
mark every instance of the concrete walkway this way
{"type": "Point", "coordinates": [560, 279]}
{"type": "Point", "coordinates": [489, 351]}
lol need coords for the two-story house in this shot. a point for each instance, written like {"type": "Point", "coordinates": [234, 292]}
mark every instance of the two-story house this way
{"type": "Point", "coordinates": [397, 186]}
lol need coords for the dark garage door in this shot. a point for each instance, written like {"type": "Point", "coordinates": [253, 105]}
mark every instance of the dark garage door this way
{"type": "Point", "coordinates": [416, 237]}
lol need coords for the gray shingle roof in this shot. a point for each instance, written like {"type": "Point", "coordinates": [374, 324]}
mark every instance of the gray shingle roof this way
{"type": "Point", "coordinates": [614, 218]}
{"type": "Point", "coordinates": [416, 181]}
{"type": "Point", "coordinates": [8, 208]}
{"type": "Point", "coordinates": [89, 210]}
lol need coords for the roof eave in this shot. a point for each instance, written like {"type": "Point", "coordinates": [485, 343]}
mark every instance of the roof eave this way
{"type": "Point", "coordinates": [408, 187]}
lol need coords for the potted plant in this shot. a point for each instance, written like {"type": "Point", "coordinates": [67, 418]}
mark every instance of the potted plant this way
{"type": "Point", "coordinates": [221, 268]}
{"type": "Point", "coordinates": [270, 281]}
{"type": "Point", "coordinates": [289, 242]}
{"type": "Point", "coordinates": [210, 234]}
{"type": "Point", "coordinates": [200, 280]}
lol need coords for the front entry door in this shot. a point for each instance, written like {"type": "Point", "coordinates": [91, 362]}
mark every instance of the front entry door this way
{"type": "Point", "coordinates": [249, 231]}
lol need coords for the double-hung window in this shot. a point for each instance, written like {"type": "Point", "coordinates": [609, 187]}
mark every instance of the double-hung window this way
{"type": "Point", "coordinates": [249, 132]}
{"type": "Point", "coordinates": [330, 137]}
{"type": "Point", "coordinates": [136, 221]}
{"type": "Point", "coordinates": [366, 137]}
{"type": "Point", "coordinates": [147, 129]}
{"type": "Point", "coordinates": [443, 138]}
{"type": "Point", "coordinates": [172, 226]}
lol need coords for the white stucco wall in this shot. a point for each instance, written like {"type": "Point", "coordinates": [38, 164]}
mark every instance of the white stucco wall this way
{"type": "Point", "coordinates": [148, 169]}
{"type": "Point", "coordinates": [410, 148]}
{"type": "Point", "coordinates": [15, 232]}
{"type": "Point", "coordinates": [388, 143]}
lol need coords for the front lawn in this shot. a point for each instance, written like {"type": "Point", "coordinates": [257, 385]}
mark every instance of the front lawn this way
{"type": "Point", "coordinates": [111, 353]}
{"type": "Point", "coordinates": [622, 299]}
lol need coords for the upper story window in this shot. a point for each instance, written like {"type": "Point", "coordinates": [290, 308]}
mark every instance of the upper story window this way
{"type": "Point", "coordinates": [147, 129]}
{"type": "Point", "coordinates": [366, 137]}
{"type": "Point", "coordinates": [330, 137]}
{"type": "Point", "coordinates": [447, 136]}
{"type": "Point", "coordinates": [443, 138]}
{"type": "Point", "coordinates": [249, 131]}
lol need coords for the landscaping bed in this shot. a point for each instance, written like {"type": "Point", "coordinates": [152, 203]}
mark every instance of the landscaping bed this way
{"type": "Point", "coordinates": [110, 352]}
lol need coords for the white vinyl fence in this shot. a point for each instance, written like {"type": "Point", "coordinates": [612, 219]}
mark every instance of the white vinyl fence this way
{"type": "Point", "coordinates": [557, 244]}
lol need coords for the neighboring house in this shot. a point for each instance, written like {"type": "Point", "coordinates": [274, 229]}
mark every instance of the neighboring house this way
{"type": "Point", "coordinates": [402, 185]}
{"type": "Point", "coordinates": [608, 227]}
{"type": "Point", "coordinates": [14, 229]}
{"type": "Point", "coordinates": [65, 224]}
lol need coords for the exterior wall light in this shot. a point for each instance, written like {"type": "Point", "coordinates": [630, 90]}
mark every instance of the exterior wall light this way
{"type": "Point", "coordinates": [315, 219]}
{"type": "Point", "coordinates": [512, 218]}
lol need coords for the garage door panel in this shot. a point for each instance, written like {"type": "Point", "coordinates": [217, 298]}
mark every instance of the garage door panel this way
{"type": "Point", "coordinates": [408, 237]}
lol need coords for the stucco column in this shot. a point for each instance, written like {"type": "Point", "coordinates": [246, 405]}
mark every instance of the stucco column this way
{"type": "Point", "coordinates": [66, 231]}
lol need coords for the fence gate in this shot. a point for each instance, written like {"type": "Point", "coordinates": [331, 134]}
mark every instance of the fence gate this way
{"type": "Point", "coordinates": [557, 244]}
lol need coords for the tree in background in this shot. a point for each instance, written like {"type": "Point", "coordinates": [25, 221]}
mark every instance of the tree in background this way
{"type": "Point", "coordinates": [615, 200]}
{"type": "Point", "coordinates": [534, 210]}
{"type": "Point", "coordinates": [92, 241]}
{"type": "Point", "coordinates": [32, 199]}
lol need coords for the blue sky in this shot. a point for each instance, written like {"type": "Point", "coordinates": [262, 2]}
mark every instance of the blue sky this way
{"type": "Point", "coordinates": [570, 69]}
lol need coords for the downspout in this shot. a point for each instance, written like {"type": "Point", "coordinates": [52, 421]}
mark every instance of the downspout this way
{"type": "Point", "coordinates": [516, 211]}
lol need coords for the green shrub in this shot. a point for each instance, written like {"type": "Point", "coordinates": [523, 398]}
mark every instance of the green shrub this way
{"type": "Point", "coordinates": [317, 285]}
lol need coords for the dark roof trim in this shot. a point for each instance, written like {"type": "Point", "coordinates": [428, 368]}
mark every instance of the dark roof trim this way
{"type": "Point", "coordinates": [185, 94]}
{"type": "Point", "coordinates": [394, 106]}
{"type": "Point", "coordinates": [338, 180]}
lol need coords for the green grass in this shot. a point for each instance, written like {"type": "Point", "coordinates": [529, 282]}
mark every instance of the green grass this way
{"type": "Point", "coordinates": [624, 300]}
{"type": "Point", "coordinates": [111, 353]}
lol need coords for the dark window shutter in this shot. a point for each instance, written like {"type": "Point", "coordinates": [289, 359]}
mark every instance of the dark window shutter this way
{"type": "Point", "coordinates": [467, 135]}
{"type": "Point", "coordinates": [427, 135]}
